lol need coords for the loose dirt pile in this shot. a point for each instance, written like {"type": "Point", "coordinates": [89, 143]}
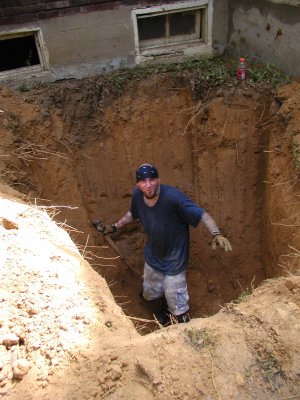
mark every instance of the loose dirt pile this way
{"type": "Point", "coordinates": [71, 149]}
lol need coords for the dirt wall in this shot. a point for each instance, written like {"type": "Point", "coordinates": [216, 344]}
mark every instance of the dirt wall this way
{"type": "Point", "coordinates": [75, 146]}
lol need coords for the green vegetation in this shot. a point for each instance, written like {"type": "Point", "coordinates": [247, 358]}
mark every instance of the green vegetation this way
{"type": "Point", "coordinates": [199, 338]}
{"type": "Point", "coordinates": [269, 367]}
{"type": "Point", "coordinates": [266, 74]}
{"type": "Point", "coordinates": [242, 296]}
{"type": "Point", "coordinates": [245, 292]}
{"type": "Point", "coordinates": [23, 88]}
{"type": "Point", "coordinates": [202, 75]}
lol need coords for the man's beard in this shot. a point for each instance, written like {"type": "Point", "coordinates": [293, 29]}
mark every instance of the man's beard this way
{"type": "Point", "coordinates": [152, 196]}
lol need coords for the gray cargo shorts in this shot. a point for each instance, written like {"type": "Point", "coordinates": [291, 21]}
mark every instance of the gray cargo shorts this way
{"type": "Point", "coordinates": [172, 287]}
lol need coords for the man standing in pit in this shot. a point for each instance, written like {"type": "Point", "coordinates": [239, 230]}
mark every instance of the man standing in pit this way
{"type": "Point", "coordinates": [166, 214]}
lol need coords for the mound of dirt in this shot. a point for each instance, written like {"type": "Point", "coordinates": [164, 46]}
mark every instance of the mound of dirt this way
{"type": "Point", "coordinates": [72, 324]}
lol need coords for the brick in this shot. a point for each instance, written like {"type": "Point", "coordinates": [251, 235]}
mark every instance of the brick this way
{"type": "Point", "coordinates": [29, 2]}
{"type": "Point", "coordinates": [101, 6]}
{"type": "Point", "coordinates": [9, 3]}
{"type": "Point", "coordinates": [129, 2]}
{"type": "Point", "coordinates": [53, 5]}
{"type": "Point", "coordinates": [11, 11]}
{"type": "Point", "coordinates": [16, 19]}
{"type": "Point", "coordinates": [48, 14]}
{"type": "Point", "coordinates": [69, 11]}
{"type": "Point", "coordinates": [29, 18]}
{"type": "Point", "coordinates": [78, 2]}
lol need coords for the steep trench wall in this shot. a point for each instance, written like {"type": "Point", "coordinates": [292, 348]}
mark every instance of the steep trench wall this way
{"type": "Point", "coordinates": [213, 149]}
{"type": "Point", "coordinates": [282, 217]}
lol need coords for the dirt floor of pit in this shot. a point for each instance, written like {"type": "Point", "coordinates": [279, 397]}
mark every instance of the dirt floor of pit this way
{"type": "Point", "coordinates": [236, 153]}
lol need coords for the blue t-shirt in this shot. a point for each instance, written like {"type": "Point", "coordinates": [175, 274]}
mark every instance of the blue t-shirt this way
{"type": "Point", "coordinates": [167, 228]}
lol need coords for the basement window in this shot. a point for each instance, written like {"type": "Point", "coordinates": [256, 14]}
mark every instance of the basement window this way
{"type": "Point", "coordinates": [183, 28]}
{"type": "Point", "coordinates": [22, 54]}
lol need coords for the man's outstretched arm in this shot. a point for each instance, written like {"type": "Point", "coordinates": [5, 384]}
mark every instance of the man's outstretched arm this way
{"type": "Point", "coordinates": [105, 229]}
{"type": "Point", "coordinates": [218, 238]}
{"type": "Point", "coordinates": [124, 220]}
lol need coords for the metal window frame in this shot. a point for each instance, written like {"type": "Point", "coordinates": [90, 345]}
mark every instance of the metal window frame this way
{"type": "Point", "coordinates": [162, 46]}
{"type": "Point", "coordinates": [167, 39]}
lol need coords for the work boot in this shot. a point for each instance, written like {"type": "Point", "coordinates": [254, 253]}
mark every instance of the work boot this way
{"type": "Point", "coordinates": [163, 315]}
{"type": "Point", "coordinates": [183, 318]}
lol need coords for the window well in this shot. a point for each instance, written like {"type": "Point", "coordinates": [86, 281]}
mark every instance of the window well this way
{"type": "Point", "coordinates": [179, 28]}
{"type": "Point", "coordinates": [22, 54]}
{"type": "Point", "coordinates": [18, 53]}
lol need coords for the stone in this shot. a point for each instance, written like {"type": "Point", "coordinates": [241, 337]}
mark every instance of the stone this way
{"type": "Point", "coordinates": [10, 339]}
{"type": "Point", "coordinates": [20, 368]}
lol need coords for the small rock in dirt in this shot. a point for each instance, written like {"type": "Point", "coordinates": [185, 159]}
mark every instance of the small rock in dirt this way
{"type": "Point", "coordinates": [20, 368]}
{"type": "Point", "coordinates": [150, 368]}
{"type": "Point", "coordinates": [54, 361]}
{"type": "Point", "coordinates": [115, 373]}
{"type": "Point", "coordinates": [239, 379]}
{"type": "Point", "coordinates": [289, 284]}
{"type": "Point", "coordinates": [3, 376]}
{"type": "Point", "coordinates": [10, 339]}
{"type": "Point", "coordinates": [36, 345]}
{"type": "Point", "coordinates": [7, 224]}
{"type": "Point", "coordinates": [20, 332]}
{"type": "Point", "coordinates": [4, 390]}
{"type": "Point", "coordinates": [31, 310]}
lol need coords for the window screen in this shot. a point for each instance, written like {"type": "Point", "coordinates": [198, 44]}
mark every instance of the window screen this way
{"type": "Point", "coordinates": [182, 23]}
{"type": "Point", "coordinates": [152, 27]}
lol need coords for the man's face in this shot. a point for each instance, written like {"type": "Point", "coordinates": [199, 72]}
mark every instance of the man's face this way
{"type": "Point", "coordinates": [149, 187]}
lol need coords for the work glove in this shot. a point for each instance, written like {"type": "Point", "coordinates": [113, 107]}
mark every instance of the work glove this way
{"type": "Point", "coordinates": [104, 229]}
{"type": "Point", "coordinates": [221, 241]}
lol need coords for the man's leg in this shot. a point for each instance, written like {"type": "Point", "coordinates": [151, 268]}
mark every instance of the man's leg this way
{"type": "Point", "coordinates": [177, 297]}
{"type": "Point", "coordinates": [153, 289]}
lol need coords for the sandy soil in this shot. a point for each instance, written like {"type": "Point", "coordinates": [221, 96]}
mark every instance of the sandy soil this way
{"type": "Point", "coordinates": [72, 324]}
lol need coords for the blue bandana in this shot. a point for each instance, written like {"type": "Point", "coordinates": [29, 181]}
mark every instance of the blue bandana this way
{"type": "Point", "coordinates": [146, 171]}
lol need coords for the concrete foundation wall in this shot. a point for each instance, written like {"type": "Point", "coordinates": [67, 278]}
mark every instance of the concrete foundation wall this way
{"type": "Point", "coordinates": [91, 43]}
{"type": "Point", "coordinates": [266, 31]}
{"type": "Point", "coordinates": [88, 39]}
{"type": "Point", "coordinates": [88, 43]}
{"type": "Point", "coordinates": [85, 44]}
{"type": "Point", "coordinates": [220, 25]}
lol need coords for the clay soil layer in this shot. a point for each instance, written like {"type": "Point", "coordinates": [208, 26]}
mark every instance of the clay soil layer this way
{"type": "Point", "coordinates": [72, 322]}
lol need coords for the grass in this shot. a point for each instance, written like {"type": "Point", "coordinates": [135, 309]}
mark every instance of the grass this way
{"type": "Point", "coordinates": [269, 368]}
{"type": "Point", "coordinates": [202, 75]}
{"type": "Point", "coordinates": [199, 338]}
{"type": "Point", "coordinates": [245, 292]}
{"type": "Point", "coordinates": [23, 88]}
{"type": "Point", "coordinates": [268, 73]}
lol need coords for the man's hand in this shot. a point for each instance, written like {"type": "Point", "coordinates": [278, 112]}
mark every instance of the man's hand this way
{"type": "Point", "coordinates": [104, 229]}
{"type": "Point", "coordinates": [221, 241]}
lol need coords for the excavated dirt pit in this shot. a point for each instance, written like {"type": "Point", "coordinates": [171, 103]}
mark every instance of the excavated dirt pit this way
{"type": "Point", "coordinates": [75, 145]}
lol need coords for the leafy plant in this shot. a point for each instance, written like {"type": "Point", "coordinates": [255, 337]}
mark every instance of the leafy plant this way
{"type": "Point", "coordinates": [258, 73]}
{"type": "Point", "coordinates": [23, 88]}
